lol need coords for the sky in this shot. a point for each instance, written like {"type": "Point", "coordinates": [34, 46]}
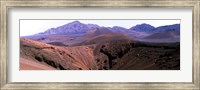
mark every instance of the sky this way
{"type": "Point", "coordinates": [30, 27]}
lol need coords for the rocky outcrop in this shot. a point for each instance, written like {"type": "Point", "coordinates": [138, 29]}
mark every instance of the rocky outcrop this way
{"type": "Point", "coordinates": [126, 54]}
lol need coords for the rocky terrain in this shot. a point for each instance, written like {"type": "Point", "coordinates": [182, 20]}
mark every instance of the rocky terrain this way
{"type": "Point", "coordinates": [116, 55]}
{"type": "Point", "coordinates": [62, 58]}
{"type": "Point", "coordinates": [130, 55]}
{"type": "Point", "coordinates": [78, 46]}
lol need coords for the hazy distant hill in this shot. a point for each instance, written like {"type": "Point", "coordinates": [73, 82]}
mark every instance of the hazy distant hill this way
{"type": "Point", "coordinates": [102, 35]}
{"type": "Point", "coordinates": [167, 28]}
{"type": "Point", "coordinates": [143, 28]}
{"type": "Point", "coordinates": [75, 27]}
{"type": "Point", "coordinates": [98, 31]}
{"type": "Point", "coordinates": [149, 28]}
{"type": "Point", "coordinates": [118, 28]}
{"type": "Point", "coordinates": [160, 35]}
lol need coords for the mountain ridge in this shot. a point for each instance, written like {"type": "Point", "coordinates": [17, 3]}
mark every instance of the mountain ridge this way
{"type": "Point", "coordinates": [76, 27]}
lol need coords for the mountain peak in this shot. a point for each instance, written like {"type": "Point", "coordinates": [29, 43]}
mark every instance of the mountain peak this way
{"type": "Point", "coordinates": [118, 28]}
{"type": "Point", "coordinates": [144, 24]}
{"type": "Point", "coordinates": [76, 22]}
{"type": "Point", "coordinates": [142, 27]}
{"type": "Point", "coordinates": [74, 27]}
{"type": "Point", "coordinates": [103, 30]}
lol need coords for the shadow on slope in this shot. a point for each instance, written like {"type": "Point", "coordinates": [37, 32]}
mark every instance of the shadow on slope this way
{"type": "Point", "coordinates": [130, 55]}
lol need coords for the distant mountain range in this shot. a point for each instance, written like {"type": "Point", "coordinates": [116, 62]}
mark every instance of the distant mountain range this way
{"type": "Point", "coordinates": [77, 27]}
{"type": "Point", "coordinates": [71, 28]}
{"type": "Point", "coordinates": [167, 28]}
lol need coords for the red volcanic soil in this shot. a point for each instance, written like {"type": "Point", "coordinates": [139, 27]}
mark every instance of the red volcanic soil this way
{"type": "Point", "coordinates": [73, 58]}
{"type": "Point", "coordinates": [102, 35]}
{"type": "Point", "coordinates": [102, 52]}
{"type": "Point", "coordinates": [26, 64]}
{"type": "Point", "coordinates": [98, 31]}
{"type": "Point", "coordinates": [103, 39]}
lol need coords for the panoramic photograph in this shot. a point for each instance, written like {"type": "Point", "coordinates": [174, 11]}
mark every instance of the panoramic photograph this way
{"type": "Point", "coordinates": [99, 44]}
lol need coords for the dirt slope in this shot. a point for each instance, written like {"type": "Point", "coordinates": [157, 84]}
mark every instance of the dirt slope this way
{"type": "Point", "coordinates": [26, 64]}
{"type": "Point", "coordinates": [112, 55]}
{"type": "Point", "coordinates": [80, 57]}
{"type": "Point", "coordinates": [102, 35]}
